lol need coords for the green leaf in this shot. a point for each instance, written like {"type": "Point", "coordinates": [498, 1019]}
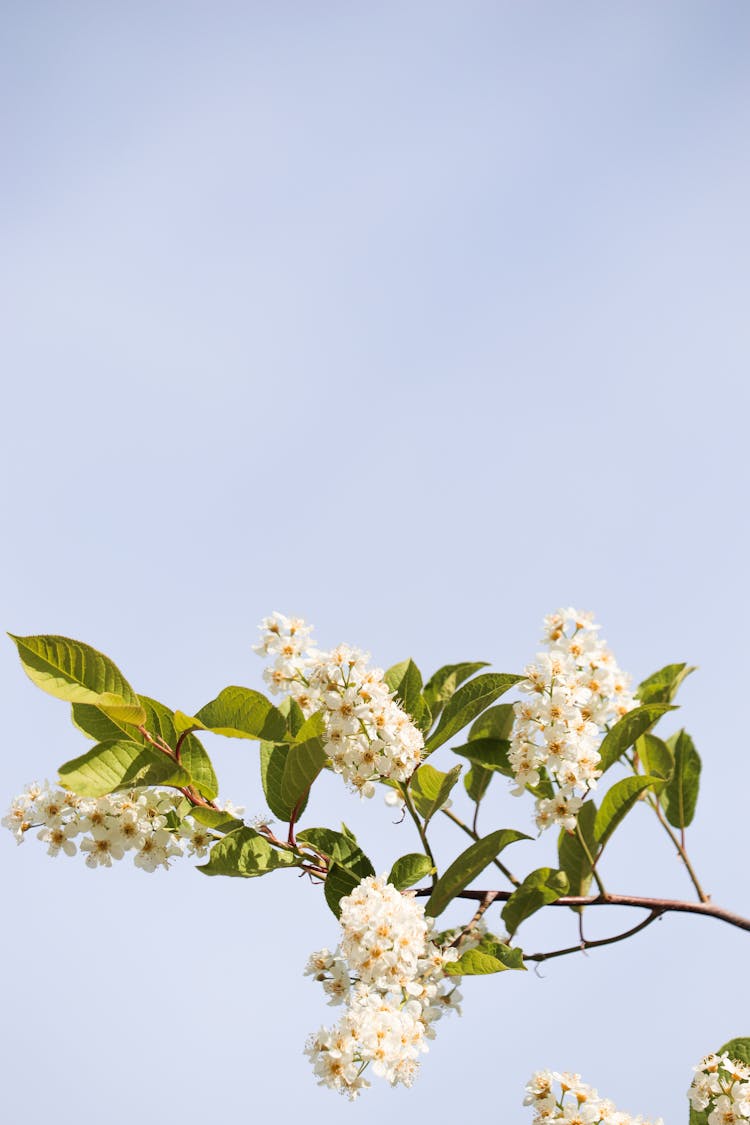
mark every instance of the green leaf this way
{"type": "Point", "coordinates": [477, 782]}
{"type": "Point", "coordinates": [341, 848]}
{"type": "Point", "coordinates": [304, 762]}
{"type": "Point", "coordinates": [446, 680]}
{"type": "Point", "coordinates": [617, 803]}
{"type": "Point", "coordinates": [656, 757]}
{"type": "Point", "coordinates": [293, 714]}
{"type": "Point", "coordinates": [311, 728]}
{"type": "Point", "coordinates": [406, 680]}
{"type": "Point", "coordinates": [217, 819]}
{"type": "Point", "coordinates": [737, 1049]}
{"type": "Point", "coordinates": [629, 728]}
{"type": "Point", "coordinates": [491, 753]}
{"type": "Point", "coordinates": [247, 854]}
{"type": "Point", "coordinates": [77, 673]}
{"type": "Point", "coordinates": [159, 722]}
{"type": "Point", "coordinates": [487, 957]}
{"type": "Point", "coordinates": [571, 855]}
{"type": "Point", "coordinates": [240, 712]}
{"type": "Point", "coordinates": [541, 887]}
{"type": "Point", "coordinates": [410, 869]}
{"type": "Point", "coordinates": [680, 794]}
{"type": "Point", "coordinates": [467, 703]}
{"type": "Point", "coordinates": [467, 866]}
{"type": "Point", "coordinates": [119, 765]}
{"type": "Point", "coordinates": [430, 789]}
{"type": "Point", "coordinates": [340, 882]}
{"type": "Point", "coordinates": [273, 757]}
{"type": "Point", "coordinates": [193, 757]}
{"type": "Point", "coordinates": [496, 722]}
{"type": "Point", "coordinates": [662, 686]}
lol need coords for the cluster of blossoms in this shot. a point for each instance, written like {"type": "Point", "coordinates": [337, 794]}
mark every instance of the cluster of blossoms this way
{"type": "Point", "coordinates": [390, 977]}
{"type": "Point", "coordinates": [722, 1086]}
{"type": "Point", "coordinates": [563, 1099]}
{"type": "Point", "coordinates": [368, 736]}
{"type": "Point", "coordinates": [575, 692]}
{"type": "Point", "coordinates": [143, 822]}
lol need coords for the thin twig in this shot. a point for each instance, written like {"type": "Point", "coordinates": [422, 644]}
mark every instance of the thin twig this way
{"type": "Point", "coordinates": [591, 944]}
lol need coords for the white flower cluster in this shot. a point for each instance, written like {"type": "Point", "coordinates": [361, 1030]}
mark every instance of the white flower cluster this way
{"type": "Point", "coordinates": [391, 978]}
{"type": "Point", "coordinates": [574, 1103]}
{"type": "Point", "coordinates": [575, 692]}
{"type": "Point", "coordinates": [135, 821]}
{"type": "Point", "coordinates": [368, 736]}
{"type": "Point", "coordinates": [721, 1085]}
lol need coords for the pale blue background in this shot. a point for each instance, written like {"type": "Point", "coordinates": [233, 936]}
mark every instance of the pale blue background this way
{"type": "Point", "coordinates": [420, 320]}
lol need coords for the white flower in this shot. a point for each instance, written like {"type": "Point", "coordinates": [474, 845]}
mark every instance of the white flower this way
{"type": "Point", "coordinates": [575, 691]}
{"type": "Point", "coordinates": [368, 736]}
{"type": "Point", "coordinates": [391, 978]}
{"type": "Point", "coordinates": [135, 821]}
{"type": "Point", "coordinates": [575, 1103]}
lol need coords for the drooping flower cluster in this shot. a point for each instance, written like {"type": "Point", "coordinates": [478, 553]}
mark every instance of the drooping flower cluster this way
{"type": "Point", "coordinates": [721, 1085]}
{"type": "Point", "coordinates": [142, 821]}
{"type": "Point", "coordinates": [391, 978]}
{"type": "Point", "coordinates": [575, 693]}
{"type": "Point", "coordinates": [368, 736]}
{"type": "Point", "coordinates": [563, 1099]}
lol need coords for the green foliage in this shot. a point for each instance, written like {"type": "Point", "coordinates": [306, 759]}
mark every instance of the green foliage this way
{"type": "Point", "coordinates": [662, 686]}
{"type": "Point", "coordinates": [656, 757]}
{"type": "Point", "coordinates": [680, 795]}
{"type": "Point", "coordinates": [304, 761]}
{"type": "Point", "coordinates": [246, 854]}
{"type": "Point", "coordinates": [406, 680]}
{"type": "Point", "coordinates": [119, 764]}
{"type": "Point", "coordinates": [288, 771]}
{"type": "Point", "coordinates": [273, 758]}
{"type": "Point", "coordinates": [340, 882]}
{"type": "Point", "coordinates": [572, 856]}
{"type": "Point", "coordinates": [443, 684]}
{"type": "Point", "coordinates": [496, 722]}
{"type": "Point", "coordinates": [490, 753]}
{"type": "Point", "coordinates": [410, 869]}
{"type": "Point", "coordinates": [737, 1049]}
{"type": "Point", "coordinates": [477, 782]}
{"type": "Point", "coordinates": [430, 789]}
{"type": "Point", "coordinates": [339, 847]}
{"type": "Point", "coordinates": [487, 957]}
{"type": "Point", "coordinates": [467, 866]}
{"type": "Point", "coordinates": [293, 714]}
{"type": "Point", "coordinates": [159, 721]}
{"type": "Point", "coordinates": [617, 803]}
{"type": "Point", "coordinates": [217, 819]}
{"type": "Point", "coordinates": [240, 712]}
{"type": "Point", "coordinates": [539, 888]}
{"type": "Point", "coordinates": [77, 673]}
{"type": "Point", "coordinates": [629, 728]}
{"type": "Point", "coordinates": [467, 703]}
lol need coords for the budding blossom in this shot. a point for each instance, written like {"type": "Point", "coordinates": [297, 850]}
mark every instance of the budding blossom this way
{"type": "Point", "coordinates": [368, 736]}
{"type": "Point", "coordinates": [391, 979]}
{"type": "Point", "coordinates": [575, 693]}
{"type": "Point", "coordinates": [722, 1086]}
{"type": "Point", "coordinates": [574, 1104]}
{"type": "Point", "coordinates": [140, 821]}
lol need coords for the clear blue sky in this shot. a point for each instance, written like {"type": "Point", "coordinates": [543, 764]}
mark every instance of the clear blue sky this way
{"type": "Point", "coordinates": [419, 320]}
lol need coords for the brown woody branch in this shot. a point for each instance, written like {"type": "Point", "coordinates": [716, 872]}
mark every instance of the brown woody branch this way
{"type": "Point", "coordinates": [660, 905]}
